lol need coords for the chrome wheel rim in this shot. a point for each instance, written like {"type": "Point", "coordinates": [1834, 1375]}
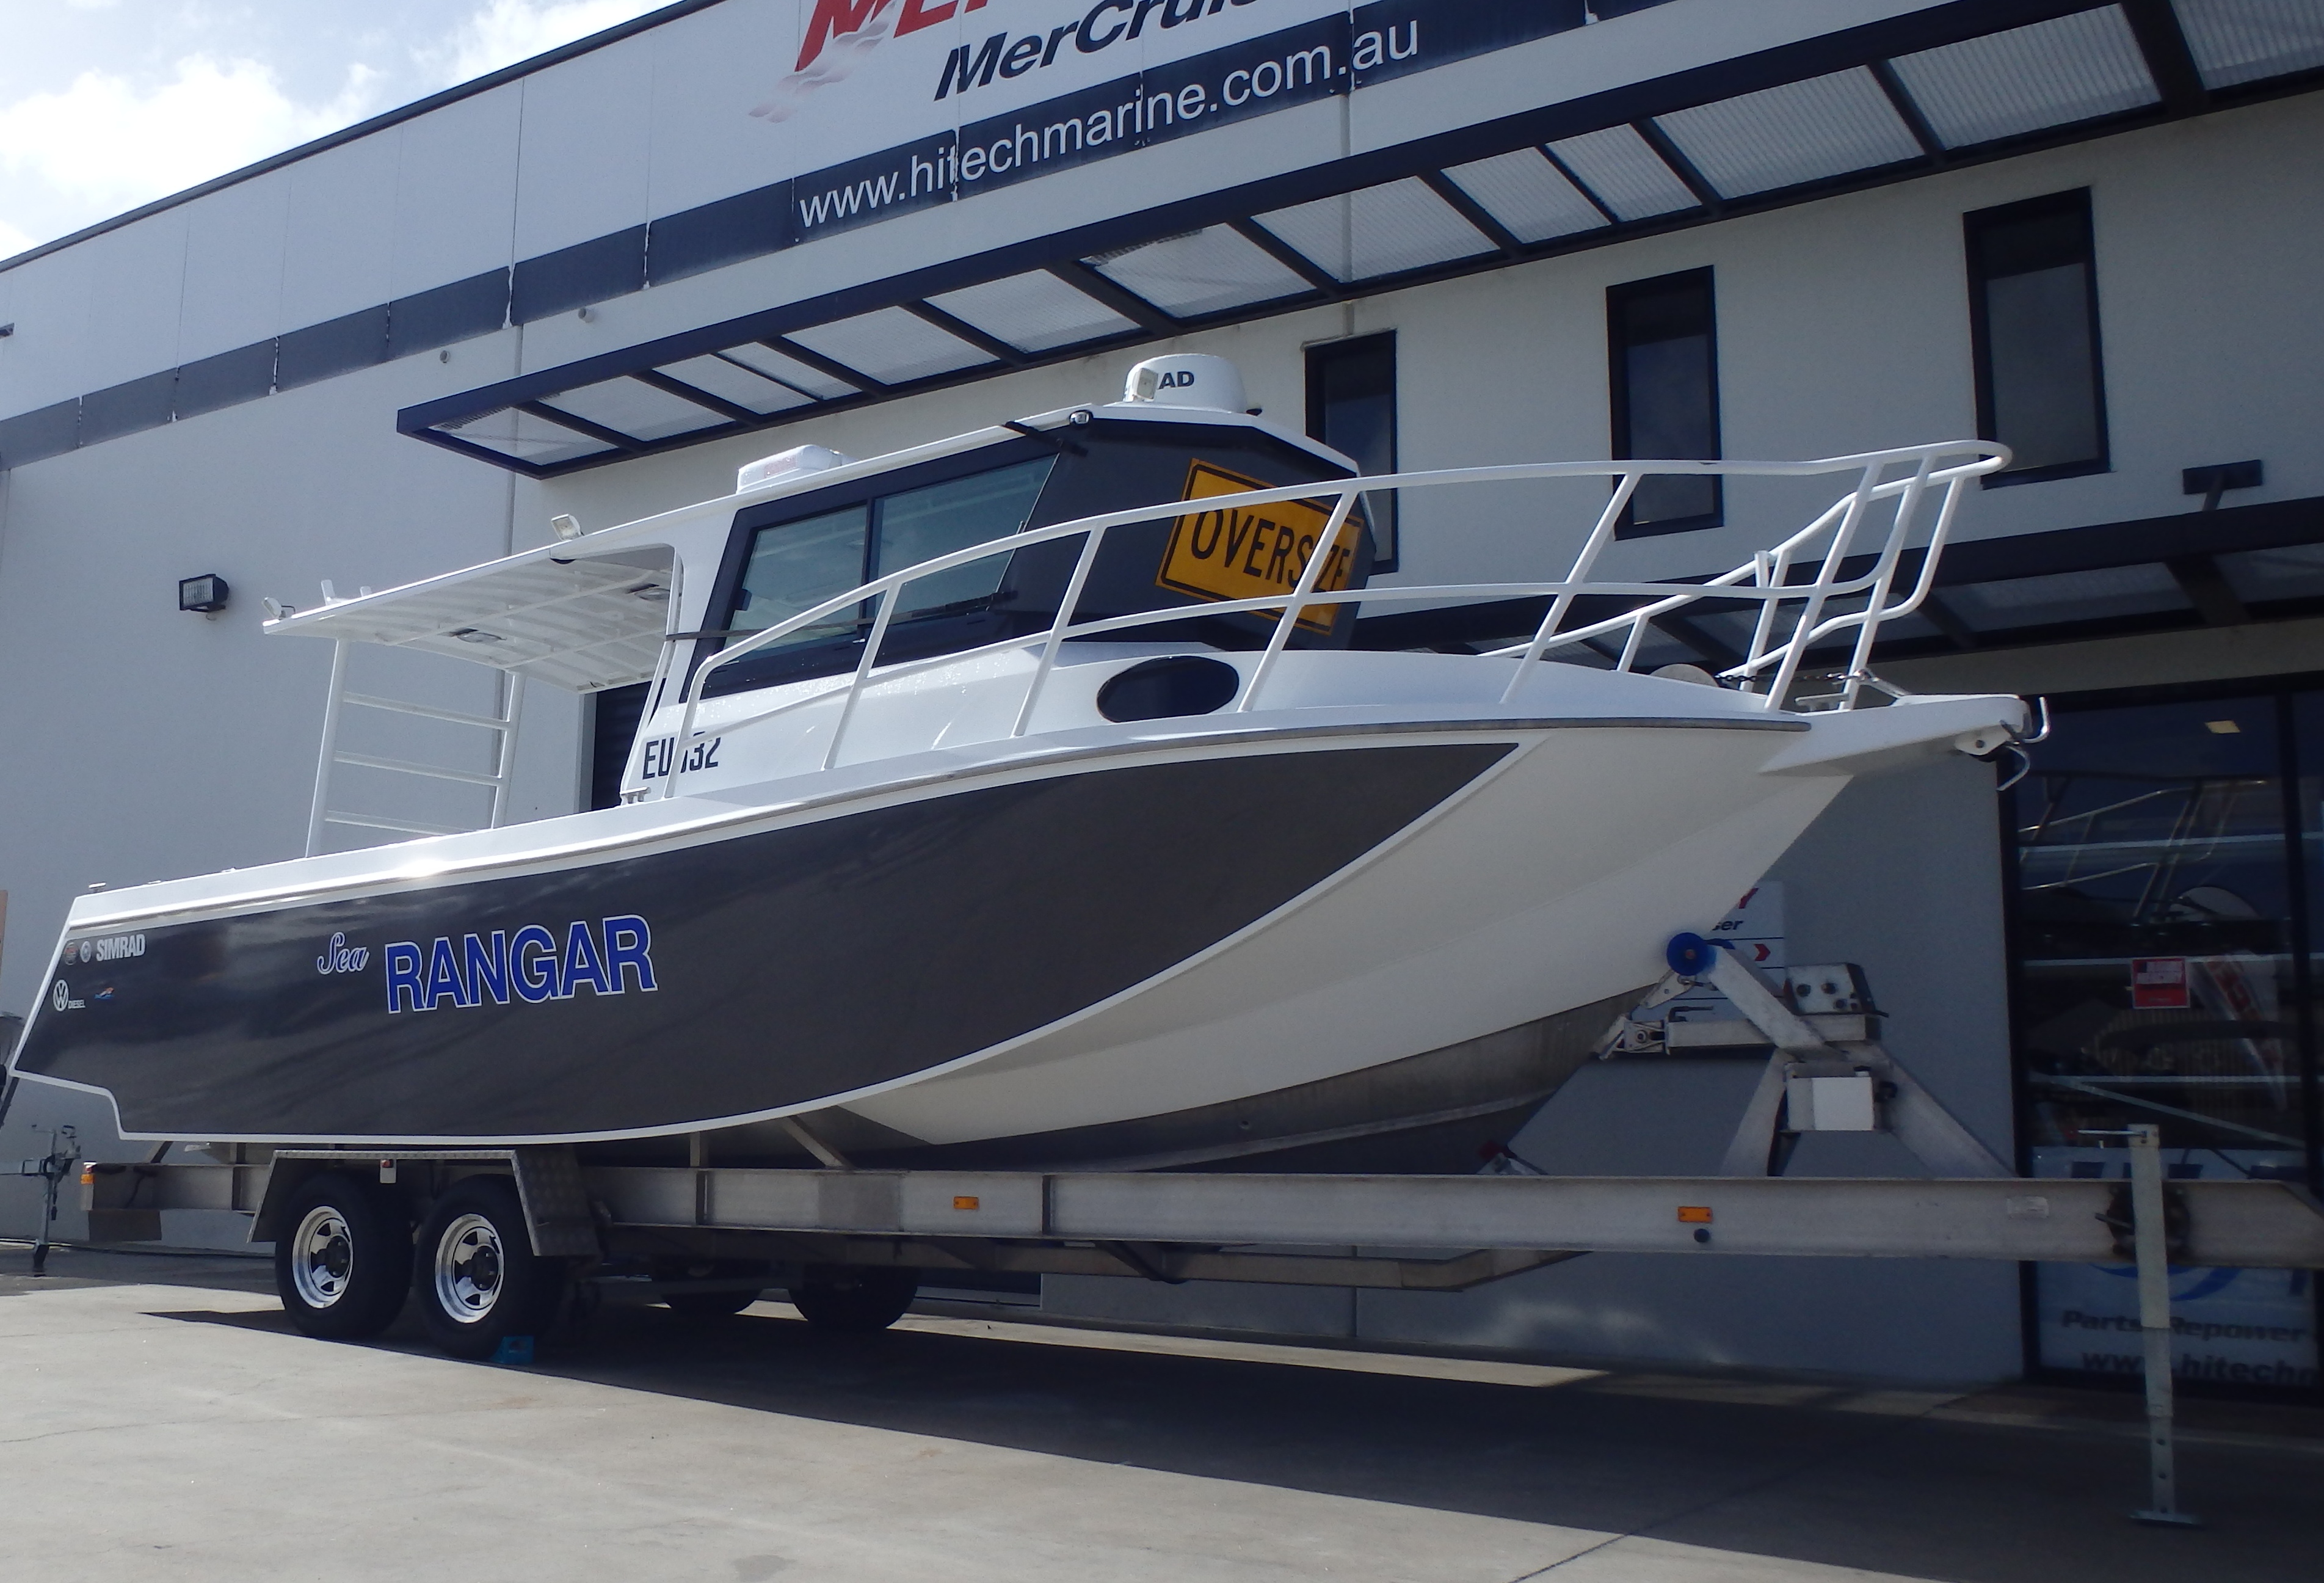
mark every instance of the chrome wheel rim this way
{"type": "Point", "coordinates": [322, 1256]}
{"type": "Point", "coordinates": [468, 1269]}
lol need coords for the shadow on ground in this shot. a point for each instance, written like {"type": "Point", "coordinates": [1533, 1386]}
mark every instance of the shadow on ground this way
{"type": "Point", "coordinates": [1896, 1485]}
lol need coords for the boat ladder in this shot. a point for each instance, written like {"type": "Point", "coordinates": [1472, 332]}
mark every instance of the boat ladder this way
{"type": "Point", "coordinates": [501, 724]}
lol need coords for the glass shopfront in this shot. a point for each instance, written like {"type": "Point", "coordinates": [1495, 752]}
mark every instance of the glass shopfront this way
{"type": "Point", "coordinates": [2166, 877]}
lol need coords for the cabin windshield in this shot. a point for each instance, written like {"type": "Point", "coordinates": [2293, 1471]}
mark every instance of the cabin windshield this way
{"type": "Point", "coordinates": [796, 565]}
{"type": "Point", "coordinates": [787, 557]}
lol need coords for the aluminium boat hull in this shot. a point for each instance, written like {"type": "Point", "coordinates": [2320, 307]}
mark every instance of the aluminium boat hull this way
{"type": "Point", "coordinates": [1182, 942]}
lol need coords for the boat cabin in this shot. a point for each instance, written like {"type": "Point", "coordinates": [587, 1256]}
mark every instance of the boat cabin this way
{"type": "Point", "coordinates": [655, 599]}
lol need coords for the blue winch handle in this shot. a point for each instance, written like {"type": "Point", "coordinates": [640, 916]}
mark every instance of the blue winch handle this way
{"type": "Point", "coordinates": [1688, 955]}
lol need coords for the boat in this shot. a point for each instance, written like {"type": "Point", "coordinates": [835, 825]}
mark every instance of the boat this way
{"type": "Point", "coordinates": [1030, 799]}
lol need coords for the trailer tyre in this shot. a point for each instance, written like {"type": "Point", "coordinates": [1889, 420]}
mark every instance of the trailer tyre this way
{"type": "Point", "coordinates": [344, 1265]}
{"type": "Point", "coordinates": [478, 1280]}
{"type": "Point", "coordinates": [854, 1299]}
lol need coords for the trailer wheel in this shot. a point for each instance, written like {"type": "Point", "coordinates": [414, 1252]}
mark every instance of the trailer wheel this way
{"type": "Point", "coordinates": [478, 1279]}
{"type": "Point", "coordinates": [344, 1267]}
{"type": "Point", "coordinates": [854, 1299]}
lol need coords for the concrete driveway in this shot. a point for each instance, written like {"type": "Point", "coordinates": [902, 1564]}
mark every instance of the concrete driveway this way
{"type": "Point", "coordinates": [163, 1421]}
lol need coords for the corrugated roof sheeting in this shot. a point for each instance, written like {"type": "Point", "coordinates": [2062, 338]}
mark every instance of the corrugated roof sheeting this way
{"type": "Point", "coordinates": [2295, 571]}
{"type": "Point", "coordinates": [1378, 231]}
{"type": "Point", "coordinates": [1628, 177]}
{"type": "Point", "coordinates": [791, 371]}
{"type": "Point", "coordinates": [636, 410]}
{"type": "Point", "coordinates": [891, 344]}
{"type": "Point", "coordinates": [1034, 311]}
{"type": "Point", "coordinates": [1801, 132]}
{"type": "Point", "coordinates": [527, 439]}
{"type": "Point", "coordinates": [2053, 73]}
{"type": "Point", "coordinates": [1201, 271]}
{"type": "Point", "coordinates": [1525, 192]}
{"type": "Point", "coordinates": [2073, 595]}
{"type": "Point", "coordinates": [729, 380]}
{"type": "Point", "coordinates": [2242, 40]}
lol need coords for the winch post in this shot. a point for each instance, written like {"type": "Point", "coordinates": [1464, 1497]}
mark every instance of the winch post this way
{"type": "Point", "coordinates": [2149, 1245]}
{"type": "Point", "coordinates": [1761, 1143]}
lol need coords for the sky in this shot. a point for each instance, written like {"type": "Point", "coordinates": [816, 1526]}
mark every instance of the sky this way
{"type": "Point", "coordinates": [108, 104]}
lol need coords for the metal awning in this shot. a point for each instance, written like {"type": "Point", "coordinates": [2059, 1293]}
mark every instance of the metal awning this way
{"type": "Point", "coordinates": [1883, 103]}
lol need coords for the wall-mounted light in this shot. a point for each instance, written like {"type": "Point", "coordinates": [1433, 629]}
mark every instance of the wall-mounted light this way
{"type": "Point", "coordinates": [565, 527]}
{"type": "Point", "coordinates": [206, 594]}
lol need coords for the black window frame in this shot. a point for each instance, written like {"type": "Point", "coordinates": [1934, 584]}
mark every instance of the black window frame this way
{"type": "Point", "coordinates": [1380, 505]}
{"type": "Point", "coordinates": [746, 524]}
{"type": "Point", "coordinates": [1620, 300]}
{"type": "Point", "coordinates": [1976, 226]}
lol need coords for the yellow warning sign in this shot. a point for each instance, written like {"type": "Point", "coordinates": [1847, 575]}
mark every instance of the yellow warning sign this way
{"type": "Point", "coordinates": [1249, 552]}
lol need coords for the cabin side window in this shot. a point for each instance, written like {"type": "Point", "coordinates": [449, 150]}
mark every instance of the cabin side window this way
{"type": "Point", "coordinates": [796, 566]}
{"type": "Point", "coordinates": [791, 567]}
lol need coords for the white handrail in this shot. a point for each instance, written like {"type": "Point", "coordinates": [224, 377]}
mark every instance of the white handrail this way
{"type": "Point", "coordinates": [1763, 579]}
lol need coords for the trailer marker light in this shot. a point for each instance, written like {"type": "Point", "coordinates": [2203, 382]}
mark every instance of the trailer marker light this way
{"type": "Point", "coordinates": [89, 1178]}
{"type": "Point", "coordinates": [964, 1202]}
{"type": "Point", "coordinates": [1694, 1213]}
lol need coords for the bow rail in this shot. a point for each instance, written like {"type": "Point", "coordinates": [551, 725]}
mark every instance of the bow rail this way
{"type": "Point", "coordinates": [1769, 669]}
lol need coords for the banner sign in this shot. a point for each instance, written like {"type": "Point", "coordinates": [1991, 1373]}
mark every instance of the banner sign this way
{"type": "Point", "coordinates": [1008, 90]}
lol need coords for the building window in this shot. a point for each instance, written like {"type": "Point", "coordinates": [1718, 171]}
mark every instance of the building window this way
{"type": "Point", "coordinates": [2033, 322]}
{"type": "Point", "coordinates": [1351, 408]}
{"type": "Point", "coordinates": [2167, 864]}
{"type": "Point", "coordinates": [1661, 356]}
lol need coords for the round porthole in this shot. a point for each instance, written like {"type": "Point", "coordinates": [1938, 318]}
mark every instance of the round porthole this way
{"type": "Point", "coordinates": [1164, 688]}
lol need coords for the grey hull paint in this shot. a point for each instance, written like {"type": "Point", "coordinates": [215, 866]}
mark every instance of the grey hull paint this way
{"type": "Point", "coordinates": [781, 967]}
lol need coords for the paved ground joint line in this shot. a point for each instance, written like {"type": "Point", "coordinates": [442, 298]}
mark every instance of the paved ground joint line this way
{"type": "Point", "coordinates": [1887, 1431]}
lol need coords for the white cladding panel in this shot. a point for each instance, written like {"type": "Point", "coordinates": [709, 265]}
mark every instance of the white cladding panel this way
{"type": "Point", "coordinates": [582, 172]}
{"type": "Point", "coordinates": [48, 301]}
{"type": "Point", "coordinates": [710, 69]}
{"type": "Point", "coordinates": [455, 189]}
{"type": "Point", "coordinates": [235, 243]}
{"type": "Point", "coordinates": [341, 237]}
{"type": "Point", "coordinates": [136, 278]}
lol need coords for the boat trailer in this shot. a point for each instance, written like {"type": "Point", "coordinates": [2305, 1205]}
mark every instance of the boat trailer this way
{"type": "Point", "coordinates": [1825, 1071]}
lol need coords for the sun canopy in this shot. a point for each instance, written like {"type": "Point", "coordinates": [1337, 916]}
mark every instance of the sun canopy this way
{"type": "Point", "coordinates": [580, 622]}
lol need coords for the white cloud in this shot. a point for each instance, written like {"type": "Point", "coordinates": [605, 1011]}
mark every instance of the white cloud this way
{"type": "Point", "coordinates": [13, 241]}
{"type": "Point", "coordinates": [106, 142]}
{"type": "Point", "coordinates": [508, 31]}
